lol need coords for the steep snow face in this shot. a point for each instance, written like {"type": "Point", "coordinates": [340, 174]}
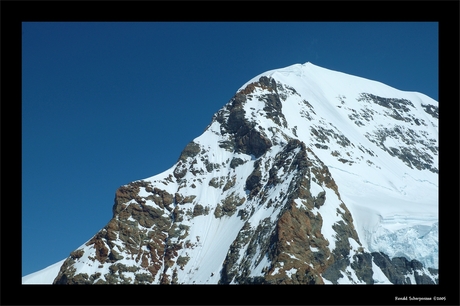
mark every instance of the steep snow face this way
{"type": "Point", "coordinates": [306, 176]}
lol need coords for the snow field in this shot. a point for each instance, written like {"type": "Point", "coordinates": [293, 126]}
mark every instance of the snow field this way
{"type": "Point", "coordinates": [214, 240]}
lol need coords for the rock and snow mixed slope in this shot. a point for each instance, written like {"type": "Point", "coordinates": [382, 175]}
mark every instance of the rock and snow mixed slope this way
{"type": "Point", "coordinates": [306, 176]}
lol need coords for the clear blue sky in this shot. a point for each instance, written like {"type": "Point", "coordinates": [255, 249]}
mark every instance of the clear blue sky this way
{"type": "Point", "coordinates": [104, 104]}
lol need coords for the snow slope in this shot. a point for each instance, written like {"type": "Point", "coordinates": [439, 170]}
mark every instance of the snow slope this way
{"type": "Point", "coordinates": [44, 276]}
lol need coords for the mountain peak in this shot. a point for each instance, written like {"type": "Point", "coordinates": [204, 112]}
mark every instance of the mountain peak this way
{"type": "Point", "coordinates": [306, 176]}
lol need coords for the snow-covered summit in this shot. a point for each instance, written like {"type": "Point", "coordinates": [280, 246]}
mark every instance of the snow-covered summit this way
{"type": "Point", "coordinates": [306, 175]}
{"type": "Point", "coordinates": [334, 81]}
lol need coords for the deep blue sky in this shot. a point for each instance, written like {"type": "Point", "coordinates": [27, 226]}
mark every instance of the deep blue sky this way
{"type": "Point", "coordinates": [104, 104]}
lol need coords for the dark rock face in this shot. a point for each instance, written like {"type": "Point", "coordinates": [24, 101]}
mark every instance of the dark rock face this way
{"type": "Point", "coordinates": [236, 162]}
{"type": "Point", "coordinates": [362, 264]}
{"type": "Point", "coordinates": [390, 103]}
{"type": "Point", "coordinates": [246, 139]}
{"type": "Point", "coordinates": [398, 269]}
{"type": "Point", "coordinates": [432, 110]}
{"type": "Point", "coordinates": [416, 150]}
{"type": "Point", "coordinates": [410, 154]}
{"type": "Point", "coordinates": [191, 150]}
{"type": "Point", "coordinates": [253, 181]}
{"type": "Point", "coordinates": [253, 143]}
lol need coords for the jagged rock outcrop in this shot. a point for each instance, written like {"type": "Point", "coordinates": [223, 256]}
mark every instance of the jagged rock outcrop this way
{"type": "Point", "coordinates": [253, 201]}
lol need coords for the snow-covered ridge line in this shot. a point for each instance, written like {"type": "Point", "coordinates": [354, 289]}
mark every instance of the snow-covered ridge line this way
{"type": "Point", "coordinates": [44, 276]}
